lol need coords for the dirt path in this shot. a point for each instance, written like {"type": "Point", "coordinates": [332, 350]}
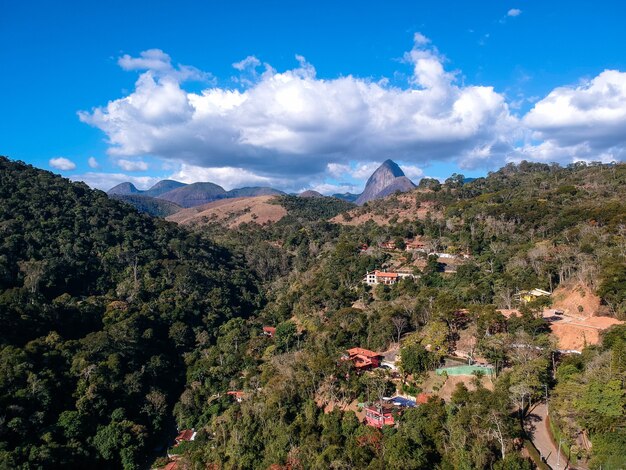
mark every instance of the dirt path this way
{"type": "Point", "coordinates": [537, 426]}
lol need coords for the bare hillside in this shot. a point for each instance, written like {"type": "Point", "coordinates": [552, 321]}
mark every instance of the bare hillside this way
{"type": "Point", "coordinates": [232, 212]}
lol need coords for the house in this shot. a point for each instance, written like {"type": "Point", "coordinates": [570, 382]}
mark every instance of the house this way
{"type": "Point", "coordinates": [530, 295]}
{"type": "Point", "coordinates": [237, 395]}
{"type": "Point", "coordinates": [364, 359]}
{"type": "Point", "coordinates": [388, 245]}
{"type": "Point", "coordinates": [415, 245]}
{"type": "Point", "coordinates": [379, 415]}
{"type": "Point", "coordinates": [363, 247]}
{"type": "Point", "coordinates": [373, 278]}
{"type": "Point", "coordinates": [186, 435]}
{"type": "Point", "coordinates": [269, 331]}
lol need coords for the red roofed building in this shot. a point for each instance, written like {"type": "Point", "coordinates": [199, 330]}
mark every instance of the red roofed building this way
{"type": "Point", "coordinates": [269, 331]}
{"type": "Point", "coordinates": [384, 277]}
{"type": "Point", "coordinates": [379, 416]}
{"type": "Point", "coordinates": [185, 436]}
{"type": "Point", "coordinates": [237, 395]}
{"type": "Point", "coordinates": [364, 359]}
{"type": "Point", "coordinates": [414, 245]}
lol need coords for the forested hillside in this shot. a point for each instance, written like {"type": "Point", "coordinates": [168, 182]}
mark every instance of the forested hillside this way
{"type": "Point", "coordinates": [526, 226]}
{"type": "Point", "coordinates": [99, 306]}
{"type": "Point", "coordinates": [121, 327]}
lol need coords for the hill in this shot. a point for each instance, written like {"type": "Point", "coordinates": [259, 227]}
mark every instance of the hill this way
{"type": "Point", "coordinates": [99, 306]}
{"type": "Point", "coordinates": [124, 189]}
{"type": "Point", "coordinates": [310, 193]}
{"type": "Point", "coordinates": [183, 195]}
{"type": "Point", "coordinates": [232, 212]}
{"type": "Point", "coordinates": [163, 187]}
{"type": "Point", "coordinates": [194, 194]}
{"type": "Point", "coordinates": [253, 191]}
{"type": "Point", "coordinates": [149, 205]}
{"type": "Point", "coordinates": [392, 209]}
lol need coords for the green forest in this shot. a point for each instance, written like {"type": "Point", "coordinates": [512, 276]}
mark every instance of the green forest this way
{"type": "Point", "coordinates": [120, 329]}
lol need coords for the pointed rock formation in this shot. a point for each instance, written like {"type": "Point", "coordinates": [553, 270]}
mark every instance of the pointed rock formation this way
{"type": "Point", "coordinates": [386, 180]}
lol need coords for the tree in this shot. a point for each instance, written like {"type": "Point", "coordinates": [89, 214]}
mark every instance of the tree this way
{"type": "Point", "coordinates": [415, 359]}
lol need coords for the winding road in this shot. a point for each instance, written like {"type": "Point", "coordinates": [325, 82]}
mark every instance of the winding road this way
{"type": "Point", "coordinates": [537, 427]}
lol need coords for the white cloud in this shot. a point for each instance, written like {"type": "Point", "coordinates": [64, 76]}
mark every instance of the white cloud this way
{"type": "Point", "coordinates": [514, 12]}
{"type": "Point", "coordinates": [328, 188]}
{"type": "Point", "coordinates": [412, 172]}
{"type": "Point", "coordinates": [227, 177]}
{"type": "Point", "coordinates": [294, 129]}
{"type": "Point", "coordinates": [158, 63]}
{"type": "Point", "coordinates": [293, 123]}
{"type": "Point", "coordinates": [106, 181]}
{"type": "Point", "coordinates": [62, 163]}
{"type": "Point", "coordinates": [248, 62]}
{"type": "Point", "coordinates": [92, 162]}
{"type": "Point", "coordinates": [132, 165]}
{"type": "Point", "coordinates": [583, 122]}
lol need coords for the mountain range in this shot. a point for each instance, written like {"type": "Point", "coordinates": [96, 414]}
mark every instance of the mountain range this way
{"type": "Point", "coordinates": [188, 195]}
{"type": "Point", "coordinates": [167, 195]}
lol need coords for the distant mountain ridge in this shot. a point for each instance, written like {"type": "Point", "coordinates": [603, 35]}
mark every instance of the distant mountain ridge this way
{"type": "Point", "coordinates": [386, 180]}
{"type": "Point", "coordinates": [185, 195]}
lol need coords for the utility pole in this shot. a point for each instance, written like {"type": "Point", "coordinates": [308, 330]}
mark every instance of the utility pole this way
{"type": "Point", "coordinates": [547, 408]}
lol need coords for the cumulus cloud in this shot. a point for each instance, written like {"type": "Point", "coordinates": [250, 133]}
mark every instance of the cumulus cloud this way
{"type": "Point", "coordinates": [514, 12]}
{"type": "Point", "coordinates": [292, 129]}
{"type": "Point", "coordinates": [106, 181]}
{"type": "Point", "coordinates": [132, 165]}
{"type": "Point", "coordinates": [92, 162]}
{"type": "Point", "coordinates": [582, 122]}
{"type": "Point", "coordinates": [293, 124]}
{"type": "Point", "coordinates": [62, 163]}
{"type": "Point", "coordinates": [227, 177]}
{"type": "Point", "coordinates": [247, 63]}
{"type": "Point", "coordinates": [159, 63]}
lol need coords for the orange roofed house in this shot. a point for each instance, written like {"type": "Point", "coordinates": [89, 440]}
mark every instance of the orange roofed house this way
{"type": "Point", "coordinates": [269, 331]}
{"type": "Point", "coordinates": [185, 436]}
{"type": "Point", "coordinates": [383, 277]}
{"type": "Point", "coordinates": [364, 359]}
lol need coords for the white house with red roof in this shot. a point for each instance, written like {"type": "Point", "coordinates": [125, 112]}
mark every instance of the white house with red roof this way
{"type": "Point", "coordinates": [373, 278]}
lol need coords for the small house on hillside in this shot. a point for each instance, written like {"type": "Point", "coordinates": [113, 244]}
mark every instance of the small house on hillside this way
{"type": "Point", "coordinates": [269, 331]}
{"type": "Point", "coordinates": [530, 295]}
{"type": "Point", "coordinates": [373, 278]}
{"type": "Point", "coordinates": [415, 245]}
{"type": "Point", "coordinates": [388, 245]}
{"type": "Point", "coordinates": [237, 395]}
{"type": "Point", "coordinates": [364, 359]}
{"type": "Point", "coordinates": [186, 435]}
{"type": "Point", "coordinates": [379, 415]}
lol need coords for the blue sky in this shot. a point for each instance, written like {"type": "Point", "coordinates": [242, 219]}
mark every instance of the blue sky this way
{"type": "Point", "coordinates": [329, 89]}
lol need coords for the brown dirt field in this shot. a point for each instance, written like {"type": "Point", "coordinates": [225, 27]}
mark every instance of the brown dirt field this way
{"type": "Point", "coordinates": [570, 298]}
{"type": "Point", "coordinates": [405, 209]}
{"type": "Point", "coordinates": [232, 212]}
{"type": "Point", "coordinates": [573, 332]}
